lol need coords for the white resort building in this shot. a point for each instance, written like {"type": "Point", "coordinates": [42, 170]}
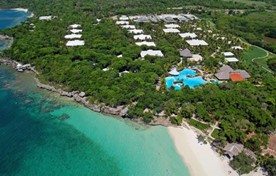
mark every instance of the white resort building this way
{"type": "Point", "coordinates": [231, 59]}
{"type": "Point", "coordinates": [172, 26]}
{"type": "Point", "coordinates": [136, 31]}
{"type": "Point", "coordinates": [188, 35]}
{"type": "Point", "coordinates": [74, 26]}
{"type": "Point", "coordinates": [196, 42]}
{"type": "Point", "coordinates": [195, 58]}
{"type": "Point", "coordinates": [75, 31]}
{"type": "Point", "coordinates": [122, 22]}
{"type": "Point", "coordinates": [72, 43]}
{"type": "Point", "coordinates": [142, 37]}
{"type": "Point", "coordinates": [171, 30]}
{"type": "Point", "coordinates": [127, 26]}
{"type": "Point", "coordinates": [157, 53]}
{"type": "Point", "coordinates": [145, 43]}
{"type": "Point", "coordinates": [46, 17]}
{"type": "Point", "coordinates": [123, 18]}
{"type": "Point", "coordinates": [73, 36]}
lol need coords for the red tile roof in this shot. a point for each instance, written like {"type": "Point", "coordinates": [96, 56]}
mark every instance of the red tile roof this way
{"type": "Point", "coordinates": [236, 76]}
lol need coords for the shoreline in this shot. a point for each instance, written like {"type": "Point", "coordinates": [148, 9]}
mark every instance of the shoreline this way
{"type": "Point", "coordinates": [21, 10]}
{"type": "Point", "coordinates": [200, 158]}
{"type": "Point", "coordinates": [80, 97]}
{"type": "Point", "coordinates": [192, 153]}
{"type": "Point", "coordinates": [17, 9]}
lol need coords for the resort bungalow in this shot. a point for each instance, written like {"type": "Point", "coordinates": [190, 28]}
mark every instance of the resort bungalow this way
{"type": "Point", "coordinates": [72, 43]}
{"type": "Point", "coordinates": [157, 53]}
{"type": "Point", "coordinates": [73, 36]}
{"type": "Point", "coordinates": [171, 30]}
{"type": "Point", "coordinates": [123, 18]}
{"type": "Point", "coordinates": [243, 73]}
{"type": "Point", "coordinates": [182, 19]}
{"type": "Point", "coordinates": [142, 19]}
{"type": "Point", "coordinates": [231, 59]}
{"type": "Point", "coordinates": [233, 149]}
{"type": "Point", "coordinates": [195, 58]}
{"type": "Point", "coordinates": [126, 26]}
{"type": "Point", "coordinates": [153, 18]}
{"type": "Point", "coordinates": [136, 31]}
{"type": "Point", "coordinates": [122, 22]}
{"type": "Point", "coordinates": [196, 42]}
{"type": "Point", "coordinates": [145, 43]}
{"type": "Point", "coordinates": [46, 18]}
{"type": "Point", "coordinates": [75, 31]}
{"type": "Point", "coordinates": [237, 47]}
{"type": "Point", "coordinates": [223, 72]}
{"type": "Point", "coordinates": [188, 35]}
{"type": "Point", "coordinates": [168, 20]}
{"type": "Point", "coordinates": [74, 26]}
{"type": "Point", "coordinates": [186, 53]}
{"type": "Point", "coordinates": [228, 54]}
{"type": "Point", "coordinates": [172, 26]}
{"type": "Point", "coordinates": [174, 72]}
{"type": "Point", "coordinates": [190, 16]}
{"type": "Point", "coordinates": [142, 37]}
{"type": "Point", "coordinates": [227, 73]}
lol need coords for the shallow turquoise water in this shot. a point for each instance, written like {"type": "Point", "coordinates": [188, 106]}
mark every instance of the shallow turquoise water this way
{"type": "Point", "coordinates": [36, 141]}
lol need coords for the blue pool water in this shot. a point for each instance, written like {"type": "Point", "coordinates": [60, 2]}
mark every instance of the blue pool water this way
{"type": "Point", "coordinates": [186, 76]}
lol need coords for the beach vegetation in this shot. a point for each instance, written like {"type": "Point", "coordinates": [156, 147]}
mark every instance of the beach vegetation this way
{"type": "Point", "coordinates": [240, 108]}
{"type": "Point", "coordinates": [270, 166]}
{"type": "Point", "coordinates": [198, 124]}
{"type": "Point", "coordinates": [272, 63]}
{"type": "Point", "coordinates": [242, 163]}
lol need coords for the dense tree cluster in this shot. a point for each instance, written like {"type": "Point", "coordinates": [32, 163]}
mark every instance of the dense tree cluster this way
{"type": "Point", "coordinates": [245, 111]}
{"type": "Point", "coordinates": [251, 26]}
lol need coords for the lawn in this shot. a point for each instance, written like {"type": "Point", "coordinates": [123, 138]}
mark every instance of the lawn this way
{"type": "Point", "coordinates": [257, 55]}
{"type": "Point", "coordinates": [248, 2]}
{"type": "Point", "coordinates": [198, 124]}
{"type": "Point", "coordinates": [253, 52]}
{"type": "Point", "coordinates": [215, 133]}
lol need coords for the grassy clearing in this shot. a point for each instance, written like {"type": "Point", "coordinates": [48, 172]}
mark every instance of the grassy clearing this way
{"type": "Point", "coordinates": [198, 124]}
{"type": "Point", "coordinates": [215, 133]}
{"type": "Point", "coordinates": [253, 52]}
{"type": "Point", "coordinates": [258, 55]}
{"type": "Point", "coordinates": [248, 2]}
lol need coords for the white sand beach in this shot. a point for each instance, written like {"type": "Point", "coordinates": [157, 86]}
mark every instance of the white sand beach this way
{"type": "Point", "coordinates": [199, 158]}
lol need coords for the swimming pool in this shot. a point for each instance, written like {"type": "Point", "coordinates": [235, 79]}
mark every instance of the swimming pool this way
{"type": "Point", "coordinates": [186, 76]}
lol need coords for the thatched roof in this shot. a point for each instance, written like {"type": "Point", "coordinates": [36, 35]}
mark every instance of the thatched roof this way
{"type": "Point", "coordinates": [233, 149]}
{"type": "Point", "coordinates": [185, 53]}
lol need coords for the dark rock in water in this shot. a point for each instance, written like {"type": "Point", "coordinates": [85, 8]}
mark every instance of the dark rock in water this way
{"type": "Point", "coordinates": [64, 117]}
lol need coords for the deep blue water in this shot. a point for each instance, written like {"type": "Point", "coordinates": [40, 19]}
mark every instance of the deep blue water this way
{"type": "Point", "coordinates": [36, 140]}
{"type": "Point", "coordinates": [11, 18]}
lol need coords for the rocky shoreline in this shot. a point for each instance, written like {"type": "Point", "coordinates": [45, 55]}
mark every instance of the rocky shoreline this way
{"type": "Point", "coordinates": [76, 95]}
{"type": "Point", "coordinates": [80, 97]}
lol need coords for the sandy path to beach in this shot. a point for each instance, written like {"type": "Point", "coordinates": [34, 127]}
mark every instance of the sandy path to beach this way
{"type": "Point", "coordinates": [199, 158]}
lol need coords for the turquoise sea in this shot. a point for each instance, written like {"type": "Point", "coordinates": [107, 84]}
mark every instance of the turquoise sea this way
{"type": "Point", "coordinates": [42, 133]}
{"type": "Point", "coordinates": [11, 18]}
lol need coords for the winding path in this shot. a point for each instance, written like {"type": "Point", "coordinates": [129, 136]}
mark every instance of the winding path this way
{"type": "Point", "coordinates": [267, 54]}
